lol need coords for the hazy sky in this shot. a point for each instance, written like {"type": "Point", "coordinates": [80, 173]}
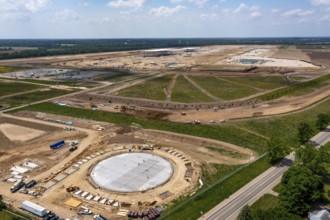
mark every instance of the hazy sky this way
{"type": "Point", "coordinates": [163, 18]}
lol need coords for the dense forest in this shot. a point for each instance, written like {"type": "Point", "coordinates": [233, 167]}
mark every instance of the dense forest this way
{"type": "Point", "coordinates": [23, 48]}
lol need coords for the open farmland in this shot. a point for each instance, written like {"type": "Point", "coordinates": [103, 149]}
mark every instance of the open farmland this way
{"type": "Point", "coordinates": [151, 89]}
{"type": "Point", "coordinates": [9, 87]}
{"type": "Point", "coordinates": [186, 92]}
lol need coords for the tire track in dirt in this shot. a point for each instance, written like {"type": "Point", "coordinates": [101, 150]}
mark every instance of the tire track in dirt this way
{"type": "Point", "coordinates": [170, 87]}
{"type": "Point", "coordinates": [216, 99]}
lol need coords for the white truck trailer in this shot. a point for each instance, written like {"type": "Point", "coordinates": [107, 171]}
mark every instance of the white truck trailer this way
{"type": "Point", "coordinates": [34, 208]}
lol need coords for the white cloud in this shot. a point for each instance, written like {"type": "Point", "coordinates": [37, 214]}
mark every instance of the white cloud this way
{"type": "Point", "coordinates": [66, 15]}
{"type": "Point", "coordinates": [297, 13]}
{"type": "Point", "coordinates": [127, 3]}
{"type": "Point", "coordinates": [254, 11]}
{"type": "Point", "coordinates": [15, 17]}
{"type": "Point", "coordinates": [103, 20]}
{"type": "Point", "coordinates": [209, 17]}
{"type": "Point", "coordinates": [27, 5]}
{"type": "Point", "coordinates": [274, 10]}
{"type": "Point", "coordinates": [255, 14]}
{"type": "Point", "coordinates": [164, 11]}
{"type": "Point", "coordinates": [196, 2]}
{"type": "Point", "coordinates": [325, 18]}
{"type": "Point", "coordinates": [84, 4]}
{"type": "Point", "coordinates": [241, 7]}
{"type": "Point", "coordinates": [320, 2]}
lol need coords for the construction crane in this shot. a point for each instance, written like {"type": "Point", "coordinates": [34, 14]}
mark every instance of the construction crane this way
{"type": "Point", "coordinates": [146, 145]}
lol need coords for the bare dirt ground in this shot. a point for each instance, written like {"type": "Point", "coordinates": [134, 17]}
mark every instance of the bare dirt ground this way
{"type": "Point", "coordinates": [19, 133]}
{"type": "Point", "coordinates": [195, 150]}
{"type": "Point", "coordinates": [291, 53]}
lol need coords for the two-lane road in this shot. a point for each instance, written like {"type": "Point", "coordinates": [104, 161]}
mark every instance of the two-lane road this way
{"type": "Point", "coordinates": [230, 208]}
{"type": "Point", "coordinates": [321, 138]}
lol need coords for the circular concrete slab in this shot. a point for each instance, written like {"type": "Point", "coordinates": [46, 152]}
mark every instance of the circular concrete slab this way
{"type": "Point", "coordinates": [132, 172]}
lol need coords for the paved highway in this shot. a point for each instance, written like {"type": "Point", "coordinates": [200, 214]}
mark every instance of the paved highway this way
{"type": "Point", "coordinates": [230, 208]}
{"type": "Point", "coordinates": [321, 138]}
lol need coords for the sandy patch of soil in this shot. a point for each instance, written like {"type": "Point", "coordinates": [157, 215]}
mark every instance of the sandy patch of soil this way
{"type": "Point", "coordinates": [19, 133]}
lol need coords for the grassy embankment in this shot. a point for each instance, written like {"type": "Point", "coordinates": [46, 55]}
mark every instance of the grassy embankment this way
{"type": "Point", "coordinates": [297, 89]}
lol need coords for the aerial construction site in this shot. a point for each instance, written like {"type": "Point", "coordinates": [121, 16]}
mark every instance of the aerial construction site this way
{"type": "Point", "coordinates": [132, 134]}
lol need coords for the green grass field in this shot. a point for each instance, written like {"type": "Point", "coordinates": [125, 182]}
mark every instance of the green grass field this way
{"type": "Point", "coordinates": [223, 89]}
{"type": "Point", "coordinates": [8, 69]}
{"type": "Point", "coordinates": [185, 92]}
{"type": "Point", "coordinates": [8, 88]}
{"type": "Point", "coordinates": [18, 100]}
{"type": "Point", "coordinates": [151, 89]}
{"type": "Point", "coordinates": [260, 82]}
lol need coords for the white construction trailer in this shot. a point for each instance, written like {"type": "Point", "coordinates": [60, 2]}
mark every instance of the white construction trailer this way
{"type": "Point", "coordinates": [34, 208]}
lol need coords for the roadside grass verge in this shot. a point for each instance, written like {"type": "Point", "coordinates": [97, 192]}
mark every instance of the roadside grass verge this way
{"type": "Point", "coordinates": [277, 188]}
{"type": "Point", "coordinates": [261, 82]}
{"type": "Point", "coordinates": [185, 92]}
{"type": "Point", "coordinates": [150, 89]}
{"type": "Point", "coordinates": [8, 88]}
{"type": "Point", "coordinates": [205, 199]}
{"type": "Point", "coordinates": [222, 89]}
{"type": "Point", "coordinates": [284, 127]}
{"type": "Point", "coordinates": [27, 98]}
{"type": "Point", "coordinates": [297, 89]}
{"type": "Point", "coordinates": [266, 202]}
{"type": "Point", "coordinates": [214, 171]}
